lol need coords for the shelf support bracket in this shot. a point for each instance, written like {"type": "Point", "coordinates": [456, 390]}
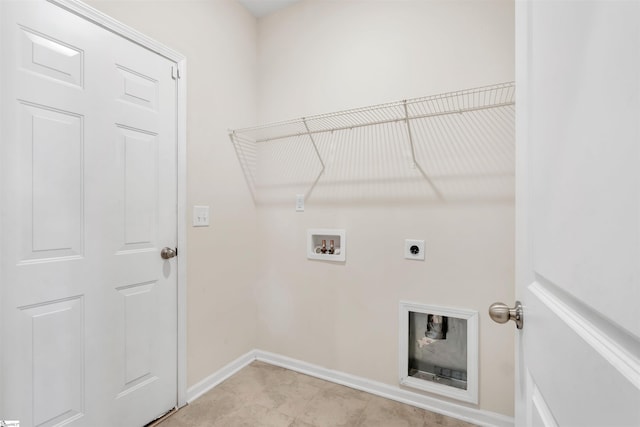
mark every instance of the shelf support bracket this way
{"type": "Point", "coordinates": [413, 153]}
{"type": "Point", "coordinates": [315, 147]}
{"type": "Point", "coordinates": [247, 171]}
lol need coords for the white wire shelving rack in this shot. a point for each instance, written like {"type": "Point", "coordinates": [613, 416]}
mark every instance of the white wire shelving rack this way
{"type": "Point", "coordinates": [443, 138]}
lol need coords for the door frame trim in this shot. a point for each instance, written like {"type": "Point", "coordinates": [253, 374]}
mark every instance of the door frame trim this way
{"type": "Point", "coordinates": [2, 142]}
{"type": "Point", "coordinates": [522, 239]}
{"type": "Point", "coordinates": [105, 21]}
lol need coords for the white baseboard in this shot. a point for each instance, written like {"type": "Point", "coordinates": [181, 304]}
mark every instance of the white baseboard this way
{"type": "Point", "coordinates": [450, 409]}
{"type": "Point", "coordinates": [217, 377]}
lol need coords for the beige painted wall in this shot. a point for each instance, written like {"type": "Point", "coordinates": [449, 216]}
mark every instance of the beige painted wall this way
{"type": "Point", "coordinates": [315, 57]}
{"type": "Point", "coordinates": [323, 56]}
{"type": "Point", "coordinates": [319, 56]}
{"type": "Point", "coordinates": [218, 37]}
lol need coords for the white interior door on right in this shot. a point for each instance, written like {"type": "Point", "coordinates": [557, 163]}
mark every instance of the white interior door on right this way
{"type": "Point", "coordinates": [578, 208]}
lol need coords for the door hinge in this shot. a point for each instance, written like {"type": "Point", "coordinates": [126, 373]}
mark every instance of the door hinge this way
{"type": "Point", "coordinates": [175, 72]}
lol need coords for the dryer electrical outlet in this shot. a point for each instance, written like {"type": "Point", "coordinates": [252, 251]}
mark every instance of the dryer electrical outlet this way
{"type": "Point", "coordinates": [414, 249]}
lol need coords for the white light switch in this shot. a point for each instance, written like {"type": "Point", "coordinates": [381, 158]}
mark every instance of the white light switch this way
{"type": "Point", "coordinates": [201, 216]}
{"type": "Point", "coordinates": [299, 202]}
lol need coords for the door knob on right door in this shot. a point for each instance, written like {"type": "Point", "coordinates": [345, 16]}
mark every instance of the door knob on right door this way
{"type": "Point", "coordinates": [168, 253]}
{"type": "Point", "coordinates": [501, 313]}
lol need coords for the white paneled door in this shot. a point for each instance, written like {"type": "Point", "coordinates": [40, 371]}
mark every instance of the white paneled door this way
{"type": "Point", "coordinates": [89, 199]}
{"type": "Point", "coordinates": [578, 139]}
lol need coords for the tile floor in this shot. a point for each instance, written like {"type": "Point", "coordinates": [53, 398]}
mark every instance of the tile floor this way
{"type": "Point", "coordinates": [270, 396]}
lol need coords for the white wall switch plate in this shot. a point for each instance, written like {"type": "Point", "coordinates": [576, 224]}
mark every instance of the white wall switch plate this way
{"type": "Point", "coordinates": [414, 249]}
{"type": "Point", "coordinates": [201, 216]}
{"type": "Point", "coordinates": [299, 202]}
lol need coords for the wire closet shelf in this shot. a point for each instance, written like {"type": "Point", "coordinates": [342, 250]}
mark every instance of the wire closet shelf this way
{"type": "Point", "coordinates": [471, 131]}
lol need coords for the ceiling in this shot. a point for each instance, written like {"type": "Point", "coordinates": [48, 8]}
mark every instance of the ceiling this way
{"type": "Point", "coordinates": [260, 8]}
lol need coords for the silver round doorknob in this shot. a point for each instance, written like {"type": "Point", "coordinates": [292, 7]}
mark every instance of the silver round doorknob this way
{"type": "Point", "coordinates": [168, 253]}
{"type": "Point", "coordinates": [501, 313]}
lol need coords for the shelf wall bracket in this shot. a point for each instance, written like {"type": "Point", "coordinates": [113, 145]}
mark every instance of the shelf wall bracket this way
{"type": "Point", "coordinates": [413, 154]}
{"type": "Point", "coordinates": [315, 147]}
{"type": "Point", "coordinates": [247, 170]}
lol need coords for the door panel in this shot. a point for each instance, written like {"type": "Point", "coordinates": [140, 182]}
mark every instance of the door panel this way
{"type": "Point", "coordinates": [578, 213]}
{"type": "Point", "coordinates": [541, 414]}
{"type": "Point", "coordinates": [51, 166]}
{"type": "Point", "coordinates": [584, 112]}
{"type": "Point", "coordinates": [54, 331]}
{"type": "Point", "coordinates": [46, 56]}
{"type": "Point", "coordinates": [138, 89]}
{"type": "Point", "coordinates": [572, 381]}
{"type": "Point", "coordinates": [138, 164]}
{"type": "Point", "coordinates": [88, 200]}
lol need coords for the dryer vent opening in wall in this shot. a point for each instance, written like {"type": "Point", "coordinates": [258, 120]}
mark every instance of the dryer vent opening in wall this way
{"type": "Point", "coordinates": [439, 350]}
